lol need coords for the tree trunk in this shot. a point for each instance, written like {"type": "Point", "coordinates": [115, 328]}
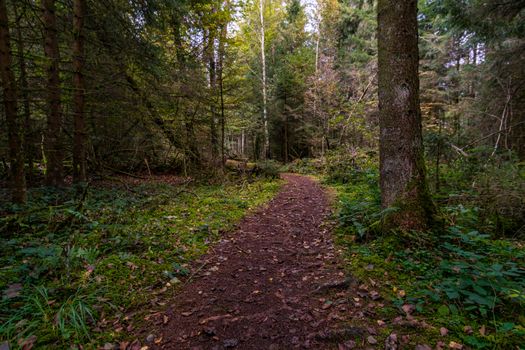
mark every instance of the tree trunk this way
{"type": "Point", "coordinates": [79, 143]}
{"type": "Point", "coordinates": [222, 43]}
{"type": "Point", "coordinates": [16, 155]}
{"type": "Point", "coordinates": [266, 147]}
{"type": "Point", "coordinates": [402, 167]}
{"type": "Point", "coordinates": [24, 86]}
{"type": "Point", "coordinates": [53, 140]}
{"type": "Point", "coordinates": [212, 70]}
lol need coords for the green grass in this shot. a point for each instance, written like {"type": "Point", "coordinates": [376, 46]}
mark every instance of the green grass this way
{"type": "Point", "coordinates": [68, 270]}
{"type": "Point", "coordinates": [459, 278]}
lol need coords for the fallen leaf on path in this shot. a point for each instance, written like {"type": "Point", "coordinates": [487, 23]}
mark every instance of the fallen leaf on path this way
{"type": "Point", "coordinates": [131, 265]}
{"type": "Point", "coordinates": [408, 308]}
{"type": "Point", "coordinates": [482, 330]}
{"type": "Point", "coordinates": [135, 345]}
{"type": "Point", "coordinates": [391, 342]}
{"type": "Point", "coordinates": [28, 343]}
{"type": "Point", "coordinates": [13, 290]}
{"type": "Point", "coordinates": [375, 295]}
{"type": "Point", "coordinates": [454, 345]}
{"type": "Point", "coordinates": [423, 347]}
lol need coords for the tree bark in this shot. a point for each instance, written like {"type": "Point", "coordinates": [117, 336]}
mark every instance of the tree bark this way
{"type": "Point", "coordinates": [24, 87]}
{"type": "Point", "coordinates": [266, 147]}
{"type": "Point", "coordinates": [222, 42]}
{"type": "Point", "coordinates": [402, 167]}
{"type": "Point", "coordinates": [16, 155]}
{"type": "Point", "coordinates": [212, 70]}
{"type": "Point", "coordinates": [53, 139]}
{"type": "Point", "coordinates": [79, 143]}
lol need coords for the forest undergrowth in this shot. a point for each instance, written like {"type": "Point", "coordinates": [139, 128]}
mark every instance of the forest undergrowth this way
{"type": "Point", "coordinates": [462, 283]}
{"type": "Point", "coordinates": [78, 263]}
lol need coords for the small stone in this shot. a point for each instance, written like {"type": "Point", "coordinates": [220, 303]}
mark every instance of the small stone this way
{"type": "Point", "coordinates": [371, 340]}
{"type": "Point", "coordinates": [209, 331]}
{"type": "Point", "coordinates": [443, 331]}
{"type": "Point", "coordinates": [109, 346]}
{"type": "Point", "coordinates": [230, 343]}
{"type": "Point", "coordinates": [174, 281]}
{"type": "Point", "coordinates": [150, 338]}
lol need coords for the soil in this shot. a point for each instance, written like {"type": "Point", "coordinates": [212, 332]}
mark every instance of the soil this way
{"type": "Point", "coordinates": [274, 283]}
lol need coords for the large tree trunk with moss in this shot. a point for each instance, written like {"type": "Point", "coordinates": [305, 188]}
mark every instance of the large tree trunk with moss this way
{"type": "Point", "coordinates": [402, 167]}
{"type": "Point", "coordinates": [79, 143]}
{"type": "Point", "coordinates": [53, 139]}
{"type": "Point", "coordinates": [16, 156]}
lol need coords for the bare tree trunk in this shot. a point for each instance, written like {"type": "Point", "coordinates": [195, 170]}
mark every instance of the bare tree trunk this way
{"type": "Point", "coordinates": [438, 148]}
{"type": "Point", "coordinates": [53, 139]}
{"type": "Point", "coordinates": [402, 167]}
{"type": "Point", "coordinates": [222, 42]}
{"type": "Point", "coordinates": [27, 144]}
{"type": "Point", "coordinates": [79, 143]}
{"type": "Point", "coordinates": [266, 147]}
{"type": "Point", "coordinates": [212, 70]}
{"type": "Point", "coordinates": [16, 155]}
{"type": "Point", "coordinates": [316, 76]}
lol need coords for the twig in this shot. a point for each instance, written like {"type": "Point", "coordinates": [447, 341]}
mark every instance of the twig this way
{"type": "Point", "coordinates": [123, 172]}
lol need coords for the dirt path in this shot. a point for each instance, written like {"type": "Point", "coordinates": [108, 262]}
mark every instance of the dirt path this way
{"type": "Point", "coordinates": [272, 284]}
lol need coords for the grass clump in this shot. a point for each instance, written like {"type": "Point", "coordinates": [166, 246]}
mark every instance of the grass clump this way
{"type": "Point", "coordinates": [72, 268]}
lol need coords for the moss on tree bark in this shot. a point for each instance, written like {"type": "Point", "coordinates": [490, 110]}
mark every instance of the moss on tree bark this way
{"type": "Point", "coordinates": [402, 166]}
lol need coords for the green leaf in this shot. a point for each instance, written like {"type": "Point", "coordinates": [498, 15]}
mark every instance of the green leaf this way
{"type": "Point", "coordinates": [443, 310]}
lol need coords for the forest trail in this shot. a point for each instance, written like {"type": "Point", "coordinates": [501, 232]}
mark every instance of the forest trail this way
{"type": "Point", "coordinates": [265, 285]}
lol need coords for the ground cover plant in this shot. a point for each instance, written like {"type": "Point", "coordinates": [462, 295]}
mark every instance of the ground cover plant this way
{"type": "Point", "coordinates": [75, 261]}
{"type": "Point", "coordinates": [466, 279]}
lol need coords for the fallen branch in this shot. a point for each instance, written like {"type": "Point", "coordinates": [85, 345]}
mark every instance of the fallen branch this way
{"type": "Point", "coordinates": [123, 172]}
{"type": "Point", "coordinates": [344, 284]}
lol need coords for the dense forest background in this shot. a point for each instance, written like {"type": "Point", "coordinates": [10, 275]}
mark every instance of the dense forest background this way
{"type": "Point", "coordinates": [177, 86]}
{"type": "Point", "coordinates": [128, 128]}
